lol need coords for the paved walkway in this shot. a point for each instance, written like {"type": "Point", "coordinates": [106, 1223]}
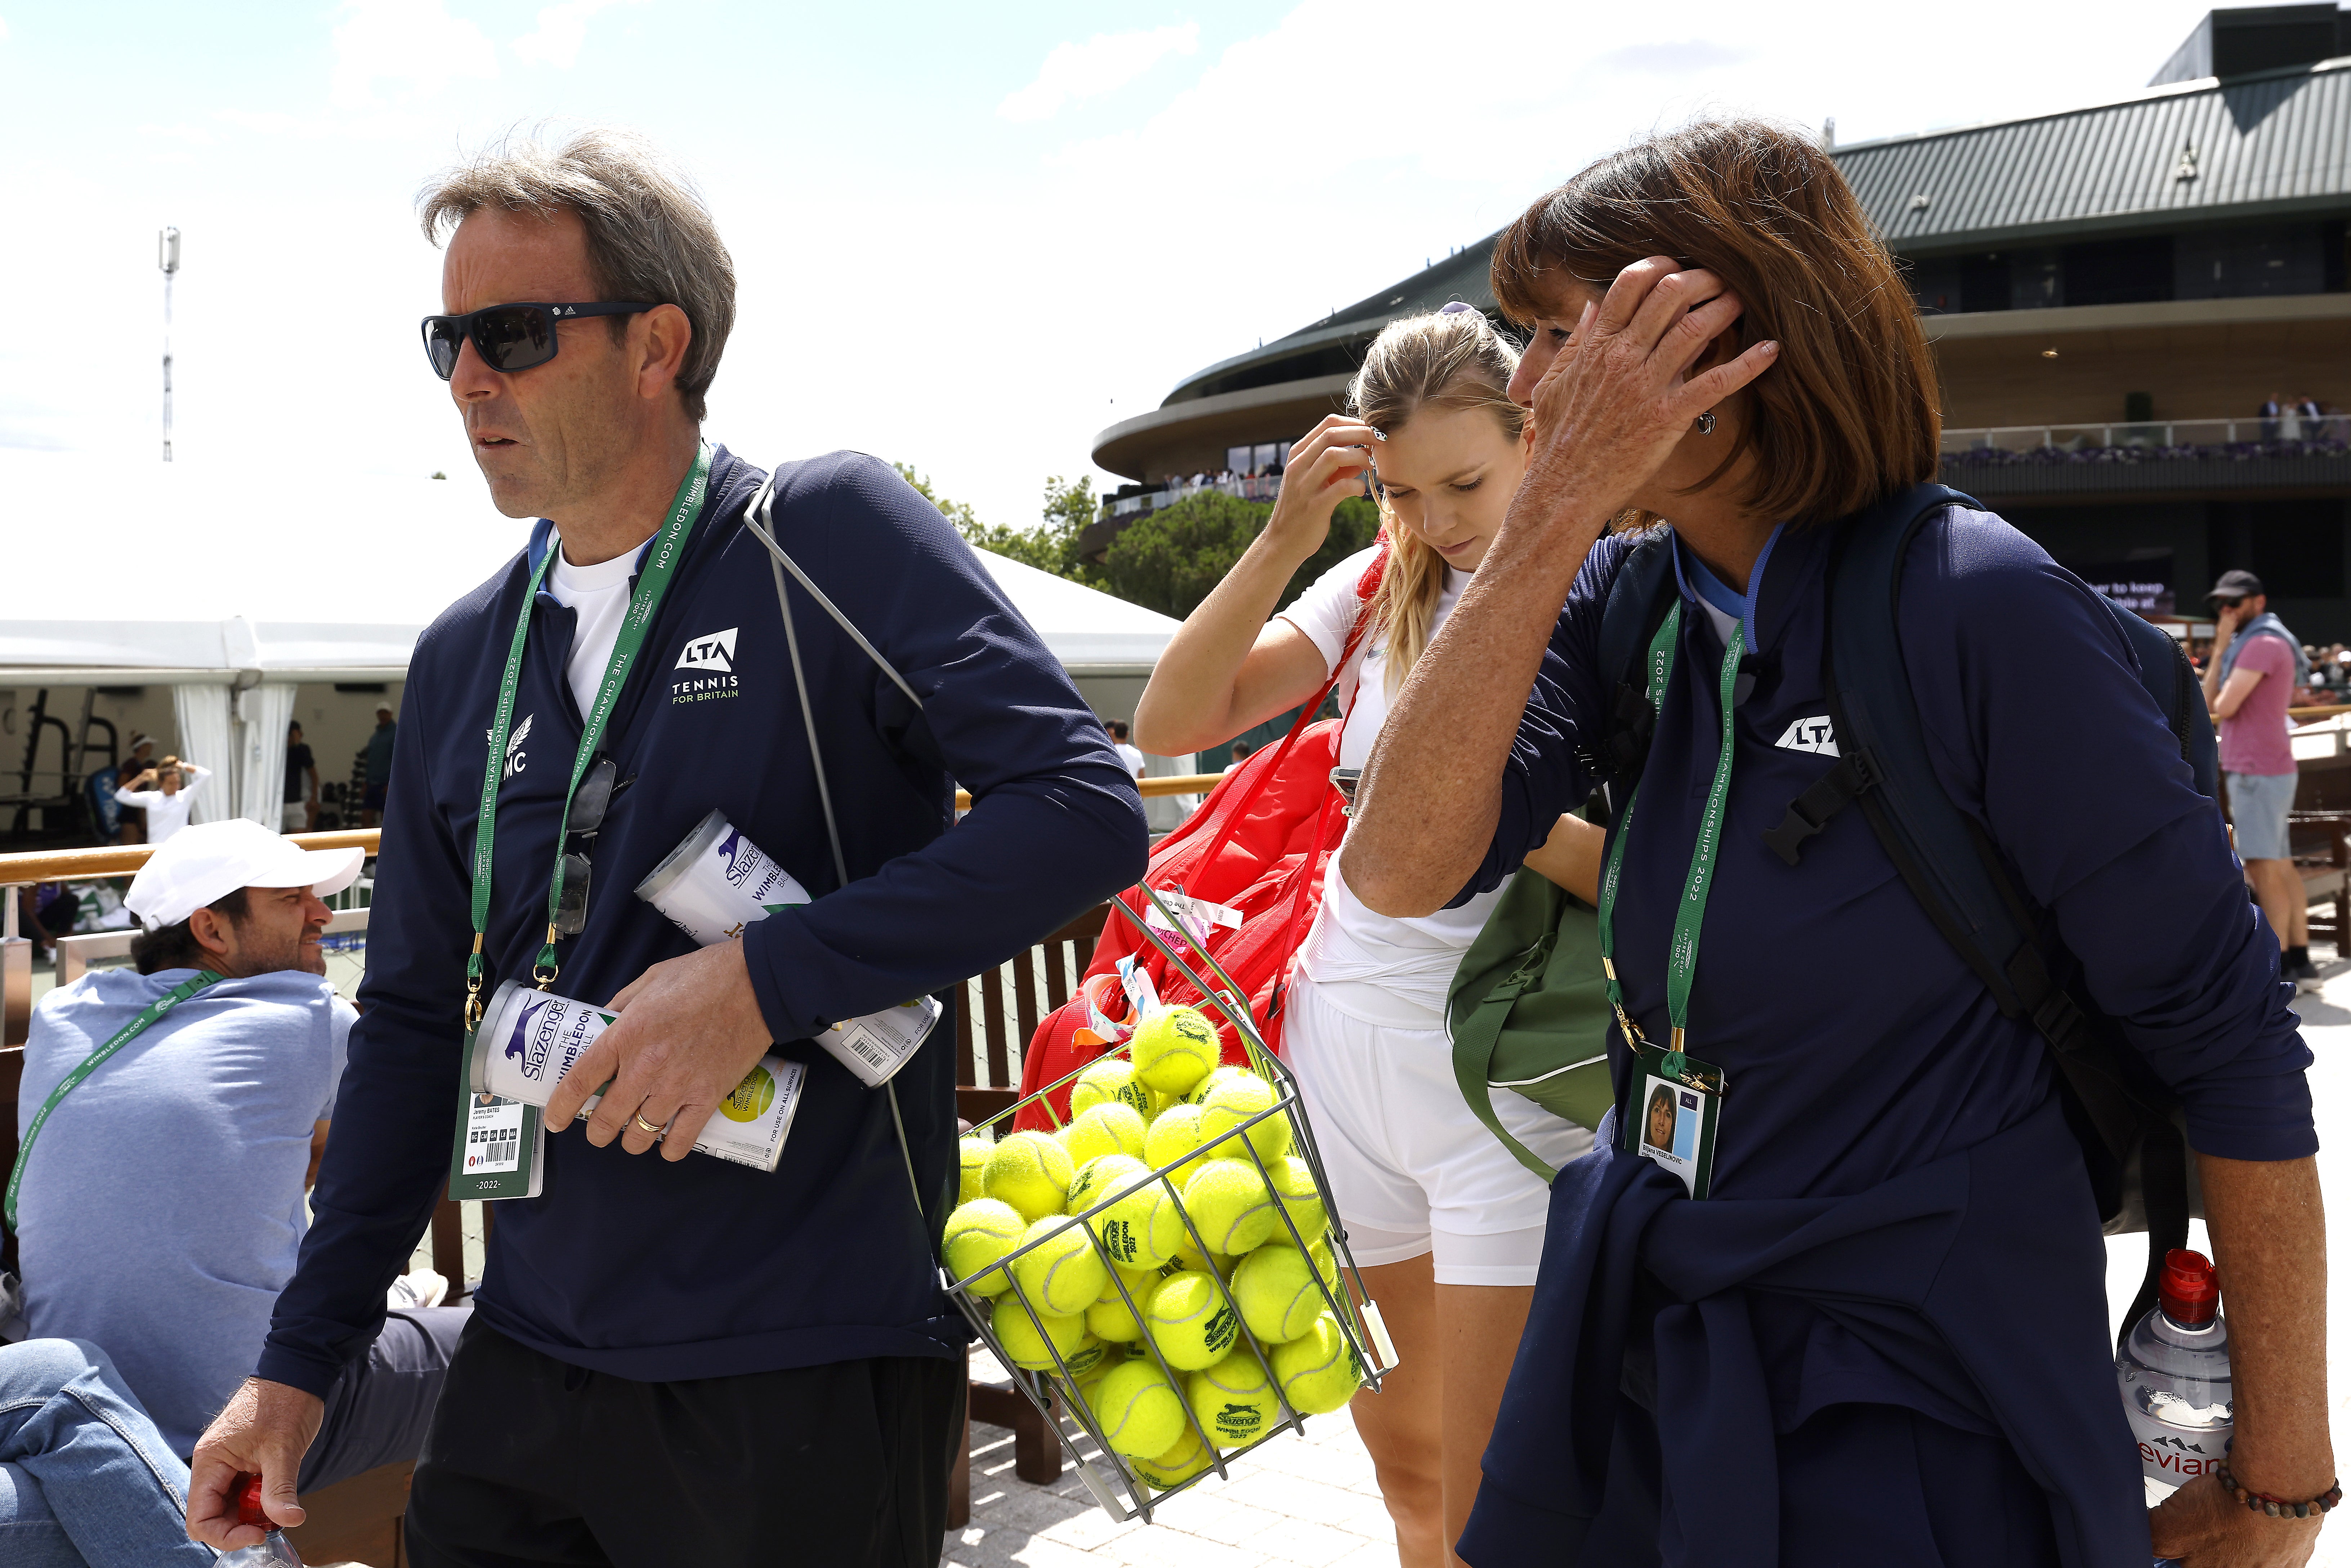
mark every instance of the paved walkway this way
{"type": "Point", "coordinates": [1310, 1500]}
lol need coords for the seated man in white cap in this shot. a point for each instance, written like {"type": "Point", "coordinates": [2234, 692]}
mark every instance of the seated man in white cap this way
{"type": "Point", "coordinates": [170, 1120]}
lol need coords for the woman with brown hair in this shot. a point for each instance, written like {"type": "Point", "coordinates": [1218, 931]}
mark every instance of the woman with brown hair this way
{"type": "Point", "coordinates": [1874, 1328]}
{"type": "Point", "coordinates": [1445, 1222]}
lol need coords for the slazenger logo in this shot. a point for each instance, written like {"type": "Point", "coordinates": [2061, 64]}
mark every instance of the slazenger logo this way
{"type": "Point", "coordinates": [1813, 735]}
{"type": "Point", "coordinates": [730, 850]}
{"type": "Point", "coordinates": [533, 1053]}
{"type": "Point", "coordinates": [514, 759]}
{"type": "Point", "coordinates": [716, 652]}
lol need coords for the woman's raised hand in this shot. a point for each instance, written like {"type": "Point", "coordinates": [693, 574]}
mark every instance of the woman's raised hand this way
{"type": "Point", "coordinates": [1619, 397]}
{"type": "Point", "coordinates": [1324, 469]}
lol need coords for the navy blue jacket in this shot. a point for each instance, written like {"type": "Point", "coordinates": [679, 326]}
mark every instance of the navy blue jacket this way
{"type": "Point", "coordinates": [1859, 1049]}
{"type": "Point", "coordinates": [631, 1264]}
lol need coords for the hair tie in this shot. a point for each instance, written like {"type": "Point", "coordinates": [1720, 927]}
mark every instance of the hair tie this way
{"type": "Point", "coordinates": [1454, 307]}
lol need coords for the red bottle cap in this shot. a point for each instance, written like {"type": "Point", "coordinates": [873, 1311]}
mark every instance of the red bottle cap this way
{"type": "Point", "coordinates": [2189, 1289]}
{"type": "Point", "coordinates": [248, 1491]}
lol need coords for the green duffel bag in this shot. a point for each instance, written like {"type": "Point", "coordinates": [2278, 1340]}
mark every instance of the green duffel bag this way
{"type": "Point", "coordinates": [1529, 1011]}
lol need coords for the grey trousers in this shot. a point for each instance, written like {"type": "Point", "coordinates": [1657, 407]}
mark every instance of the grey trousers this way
{"type": "Point", "coordinates": [379, 1411]}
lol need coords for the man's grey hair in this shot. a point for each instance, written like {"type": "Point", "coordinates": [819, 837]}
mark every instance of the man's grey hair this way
{"type": "Point", "coordinates": [650, 237]}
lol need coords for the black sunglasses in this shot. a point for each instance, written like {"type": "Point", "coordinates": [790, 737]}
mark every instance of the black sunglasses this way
{"type": "Point", "coordinates": [509, 337]}
{"type": "Point", "coordinates": [588, 804]}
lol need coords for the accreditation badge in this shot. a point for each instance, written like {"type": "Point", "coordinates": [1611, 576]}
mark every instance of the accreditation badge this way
{"type": "Point", "coordinates": [1670, 1119]}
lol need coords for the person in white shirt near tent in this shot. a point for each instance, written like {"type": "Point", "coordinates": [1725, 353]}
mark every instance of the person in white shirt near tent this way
{"type": "Point", "coordinates": [168, 803]}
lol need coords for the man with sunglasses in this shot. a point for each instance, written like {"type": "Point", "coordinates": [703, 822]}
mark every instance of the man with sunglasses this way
{"type": "Point", "coordinates": [675, 1358]}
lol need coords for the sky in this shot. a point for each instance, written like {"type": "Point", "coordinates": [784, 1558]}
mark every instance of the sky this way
{"type": "Point", "coordinates": [965, 237]}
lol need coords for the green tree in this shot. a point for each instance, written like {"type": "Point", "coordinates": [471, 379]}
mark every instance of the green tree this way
{"type": "Point", "coordinates": [1171, 559]}
{"type": "Point", "coordinates": [1050, 545]}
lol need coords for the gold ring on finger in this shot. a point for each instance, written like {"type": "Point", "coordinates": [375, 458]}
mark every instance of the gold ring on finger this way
{"type": "Point", "coordinates": [648, 1126]}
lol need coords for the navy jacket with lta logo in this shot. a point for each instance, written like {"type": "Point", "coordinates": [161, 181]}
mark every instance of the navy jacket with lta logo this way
{"type": "Point", "coordinates": [633, 1264]}
{"type": "Point", "coordinates": [1883, 1338]}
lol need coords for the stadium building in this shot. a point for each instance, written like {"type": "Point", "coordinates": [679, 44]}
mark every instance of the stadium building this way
{"type": "Point", "coordinates": [2135, 307]}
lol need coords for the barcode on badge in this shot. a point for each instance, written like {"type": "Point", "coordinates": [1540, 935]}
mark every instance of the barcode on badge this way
{"type": "Point", "coordinates": [494, 1138]}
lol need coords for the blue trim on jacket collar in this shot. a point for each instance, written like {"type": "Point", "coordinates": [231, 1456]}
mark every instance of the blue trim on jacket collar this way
{"type": "Point", "coordinates": [542, 539]}
{"type": "Point", "coordinates": [1698, 583]}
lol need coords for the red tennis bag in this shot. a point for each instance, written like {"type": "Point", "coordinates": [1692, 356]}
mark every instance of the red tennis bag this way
{"type": "Point", "coordinates": [1260, 845]}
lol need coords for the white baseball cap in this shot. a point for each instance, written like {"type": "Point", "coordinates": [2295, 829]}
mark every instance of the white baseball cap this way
{"type": "Point", "coordinates": [201, 865]}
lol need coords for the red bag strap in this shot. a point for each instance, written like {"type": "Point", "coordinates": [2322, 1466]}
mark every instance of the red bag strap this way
{"type": "Point", "coordinates": [1365, 587]}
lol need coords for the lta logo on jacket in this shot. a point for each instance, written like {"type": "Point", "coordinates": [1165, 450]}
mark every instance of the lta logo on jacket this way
{"type": "Point", "coordinates": [712, 654]}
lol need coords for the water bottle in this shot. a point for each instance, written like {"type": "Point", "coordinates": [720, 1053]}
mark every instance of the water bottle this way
{"type": "Point", "coordinates": [273, 1551]}
{"type": "Point", "coordinates": [2174, 1372]}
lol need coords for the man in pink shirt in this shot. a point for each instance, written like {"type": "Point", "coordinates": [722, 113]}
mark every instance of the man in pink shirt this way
{"type": "Point", "coordinates": [2255, 667]}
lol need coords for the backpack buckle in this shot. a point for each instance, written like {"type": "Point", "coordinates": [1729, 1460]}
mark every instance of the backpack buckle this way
{"type": "Point", "coordinates": [1810, 811]}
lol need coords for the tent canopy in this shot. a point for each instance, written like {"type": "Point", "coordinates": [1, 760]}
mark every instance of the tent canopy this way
{"type": "Point", "coordinates": [188, 572]}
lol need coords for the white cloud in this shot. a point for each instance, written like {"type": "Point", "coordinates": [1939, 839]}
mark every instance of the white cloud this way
{"type": "Point", "coordinates": [561, 30]}
{"type": "Point", "coordinates": [414, 45]}
{"type": "Point", "coordinates": [1103, 63]}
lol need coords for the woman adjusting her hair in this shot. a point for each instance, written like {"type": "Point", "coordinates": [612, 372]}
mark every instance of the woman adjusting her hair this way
{"type": "Point", "coordinates": [1857, 1313]}
{"type": "Point", "coordinates": [1446, 1224]}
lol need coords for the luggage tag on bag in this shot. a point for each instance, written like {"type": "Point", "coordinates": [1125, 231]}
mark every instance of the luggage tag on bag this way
{"type": "Point", "coordinates": [1198, 917]}
{"type": "Point", "coordinates": [1141, 994]}
{"type": "Point", "coordinates": [1670, 1120]}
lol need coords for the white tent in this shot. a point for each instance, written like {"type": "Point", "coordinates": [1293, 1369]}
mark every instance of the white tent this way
{"type": "Point", "coordinates": [231, 585]}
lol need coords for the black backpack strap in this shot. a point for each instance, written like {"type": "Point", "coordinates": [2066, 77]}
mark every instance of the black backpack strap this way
{"type": "Point", "coordinates": [1639, 598]}
{"type": "Point", "coordinates": [2119, 1111]}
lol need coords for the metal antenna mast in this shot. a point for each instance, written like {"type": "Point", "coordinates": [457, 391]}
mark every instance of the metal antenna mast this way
{"type": "Point", "coordinates": [167, 257]}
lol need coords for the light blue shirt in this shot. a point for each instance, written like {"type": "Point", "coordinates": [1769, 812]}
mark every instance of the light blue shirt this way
{"type": "Point", "coordinates": [163, 1206]}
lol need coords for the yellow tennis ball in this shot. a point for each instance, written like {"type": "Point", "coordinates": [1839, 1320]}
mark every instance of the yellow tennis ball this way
{"type": "Point", "coordinates": [1175, 1048]}
{"type": "Point", "coordinates": [1277, 1293]}
{"type": "Point", "coordinates": [1110, 1318]}
{"type": "Point", "coordinates": [1179, 1464]}
{"type": "Point", "coordinates": [1142, 1229]}
{"type": "Point", "coordinates": [1105, 1357]}
{"type": "Point", "coordinates": [1103, 1176]}
{"type": "Point", "coordinates": [1138, 1408]}
{"type": "Point", "coordinates": [1110, 1082]}
{"type": "Point", "coordinates": [1018, 1336]}
{"type": "Point", "coordinates": [1234, 1101]}
{"type": "Point", "coordinates": [1173, 1133]}
{"type": "Point", "coordinates": [1031, 1172]}
{"type": "Point", "coordinates": [1059, 1268]}
{"type": "Point", "coordinates": [1292, 1181]}
{"type": "Point", "coordinates": [977, 1234]}
{"type": "Point", "coordinates": [1228, 1201]}
{"type": "Point", "coordinates": [974, 1150]}
{"type": "Point", "coordinates": [1191, 1320]}
{"type": "Point", "coordinates": [1189, 1258]}
{"type": "Point", "coordinates": [1233, 1401]}
{"type": "Point", "coordinates": [1084, 1363]}
{"type": "Point", "coordinates": [1117, 1128]}
{"type": "Point", "coordinates": [1207, 1086]}
{"type": "Point", "coordinates": [1319, 1370]}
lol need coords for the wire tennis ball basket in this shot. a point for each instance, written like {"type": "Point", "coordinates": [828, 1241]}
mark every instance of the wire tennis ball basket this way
{"type": "Point", "coordinates": [1118, 1481]}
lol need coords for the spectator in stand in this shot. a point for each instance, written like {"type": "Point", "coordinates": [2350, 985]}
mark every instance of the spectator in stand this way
{"type": "Point", "coordinates": [1242, 752]}
{"type": "Point", "coordinates": [131, 823]}
{"type": "Point", "coordinates": [2249, 683]}
{"type": "Point", "coordinates": [86, 1480]}
{"type": "Point", "coordinates": [1127, 753]}
{"type": "Point", "coordinates": [379, 767]}
{"type": "Point", "coordinates": [164, 795]}
{"type": "Point", "coordinates": [2272, 409]}
{"type": "Point", "coordinates": [301, 814]}
{"type": "Point", "coordinates": [161, 1206]}
{"type": "Point", "coordinates": [46, 910]}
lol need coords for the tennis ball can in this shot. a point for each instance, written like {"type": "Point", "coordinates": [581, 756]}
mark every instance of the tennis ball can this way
{"type": "Point", "coordinates": [529, 1039]}
{"type": "Point", "coordinates": [717, 883]}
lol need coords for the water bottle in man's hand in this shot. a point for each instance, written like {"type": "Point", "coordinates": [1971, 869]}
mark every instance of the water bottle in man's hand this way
{"type": "Point", "coordinates": [273, 1551]}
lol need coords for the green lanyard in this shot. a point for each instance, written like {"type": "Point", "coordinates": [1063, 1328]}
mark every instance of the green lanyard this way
{"type": "Point", "coordinates": [92, 1062]}
{"type": "Point", "coordinates": [1691, 914]}
{"type": "Point", "coordinates": [660, 565]}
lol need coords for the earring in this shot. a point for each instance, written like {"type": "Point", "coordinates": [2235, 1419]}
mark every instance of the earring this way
{"type": "Point", "coordinates": [1706, 423]}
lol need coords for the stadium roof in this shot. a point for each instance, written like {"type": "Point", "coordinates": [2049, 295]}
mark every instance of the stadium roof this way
{"type": "Point", "coordinates": [2276, 144]}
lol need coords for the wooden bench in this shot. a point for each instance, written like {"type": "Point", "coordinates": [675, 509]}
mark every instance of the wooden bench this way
{"type": "Point", "coordinates": [2327, 874]}
{"type": "Point", "coordinates": [989, 1039]}
{"type": "Point", "coordinates": [354, 1520]}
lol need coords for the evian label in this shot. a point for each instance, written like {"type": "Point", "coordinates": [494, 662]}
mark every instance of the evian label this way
{"type": "Point", "coordinates": [717, 882]}
{"type": "Point", "coordinates": [529, 1039]}
{"type": "Point", "coordinates": [2171, 1455]}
